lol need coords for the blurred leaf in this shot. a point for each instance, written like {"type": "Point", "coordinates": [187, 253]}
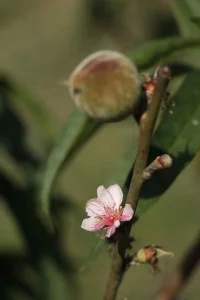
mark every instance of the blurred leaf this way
{"type": "Point", "coordinates": [16, 274]}
{"type": "Point", "coordinates": [120, 172]}
{"type": "Point", "coordinates": [42, 246]}
{"type": "Point", "coordinates": [97, 248]}
{"type": "Point", "coordinates": [184, 10]}
{"type": "Point", "coordinates": [35, 108]}
{"type": "Point", "coordinates": [178, 135]}
{"type": "Point", "coordinates": [12, 129]}
{"type": "Point", "coordinates": [104, 12]}
{"type": "Point", "coordinates": [152, 52]}
{"type": "Point", "coordinates": [55, 284]}
{"type": "Point", "coordinates": [76, 132]}
{"type": "Point", "coordinates": [196, 20]}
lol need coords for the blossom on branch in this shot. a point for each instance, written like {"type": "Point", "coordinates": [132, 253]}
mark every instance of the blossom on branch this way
{"type": "Point", "coordinates": [106, 211]}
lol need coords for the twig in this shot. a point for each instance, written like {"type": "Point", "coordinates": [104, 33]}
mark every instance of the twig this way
{"type": "Point", "coordinates": [147, 123]}
{"type": "Point", "coordinates": [146, 129]}
{"type": "Point", "coordinates": [177, 280]}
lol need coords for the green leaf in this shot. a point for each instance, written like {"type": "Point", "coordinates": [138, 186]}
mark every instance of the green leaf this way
{"type": "Point", "coordinates": [178, 135]}
{"type": "Point", "coordinates": [76, 132]}
{"type": "Point", "coordinates": [122, 169]}
{"type": "Point", "coordinates": [42, 247]}
{"type": "Point", "coordinates": [19, 95]}
{"type": "Point", "coordinates": [183, 11]}
{"type": "Point", "coordinates": [150, 53]}
{"type": "Point", "coordinates": [97, 248]}
{"type": "Point", "coordinates": [55, 283]}
{"type": "Point", "coordinates": [35, 108]}
{"type": "Point", "coordinates": [12, 129]}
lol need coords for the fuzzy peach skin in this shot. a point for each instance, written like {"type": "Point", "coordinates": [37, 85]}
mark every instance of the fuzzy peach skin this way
{"type": "Point", "coordinates": [105, 85]}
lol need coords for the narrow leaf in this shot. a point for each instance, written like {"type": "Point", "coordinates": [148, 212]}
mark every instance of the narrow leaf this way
{"type": "Point", "coordinates": [34, 107]}
{"type": "Point", "coordinates": [178, 135]}
{"type": "Point", "coordinates": [55, 283]}
{"type": "Point", "coordinates": [77, 130]}
{"type": "Point", "coordinates": [12, 129]}
{"type": "Point", "coordinates": [196, 20]}
{"type": "Point", "coordinates": [150, 53]}
{"type": "Point", "coordinates": [97, 248]}
{"type": "Point", "coordinates": [41, 245]}
{"type": "Point", "coordinates": [183, 11]}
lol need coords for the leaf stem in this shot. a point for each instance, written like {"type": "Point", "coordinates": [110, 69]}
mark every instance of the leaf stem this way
{"type": "Point", "coordinates": [147, 123]}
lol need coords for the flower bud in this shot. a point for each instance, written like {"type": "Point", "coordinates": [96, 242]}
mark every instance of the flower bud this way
{"type": "Point", "coordinates": [105, 85]}
{"type": "Point", "coordinates": [150, 255]}
{"type": "Point", "coordinates": [161, 162]}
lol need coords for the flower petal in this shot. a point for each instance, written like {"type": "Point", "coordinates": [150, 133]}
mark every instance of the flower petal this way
{"type": "Point", "coordinates": [105, 198]}
{"type": "Point", "coordinates": [127, 213]}
{"type": "Point", "coordinates": [100, 189]}
{"type": "Point", "coordinates": [88, 224]}
{"type": "Point", "coordinates": [116, 194]}
{"type": "Point", "coordinates": [95, 208]}
{"type": "Point", "coordinates": [116, 223]}
{"type": "Point", "coordinates": [110, 231]}
{"type": "Point", "coordinates": [91, 224]}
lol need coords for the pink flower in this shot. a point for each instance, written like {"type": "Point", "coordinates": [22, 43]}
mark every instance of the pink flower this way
{"type": "Point", "coordinates": [105, 210]}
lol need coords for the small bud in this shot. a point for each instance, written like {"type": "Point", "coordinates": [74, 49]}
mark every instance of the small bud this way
{"type": "Point", "coordinates": [105, 85]}
{"type": "Point", "coordinates": [164, 161]}
{"type": "Point", "coordinates": [150, 83]}
{"type": "Point", "coordinates": [161, 162]}
{"type": "Point", "coordinates": [149, 89]}
{"type": "Point", "coordinates": [150, 255]}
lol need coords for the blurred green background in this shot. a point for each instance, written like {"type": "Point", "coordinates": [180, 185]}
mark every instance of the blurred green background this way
{"type": "Point", "coordinates": [41, 42]}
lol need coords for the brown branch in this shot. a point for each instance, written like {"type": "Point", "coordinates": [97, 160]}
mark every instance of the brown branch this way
{"type": "Point", "coordinates": [177, 280]}
{"type": "Point", "coordinates": [147, 124]}
{"type": "Point", "coordinates": [146, 129]}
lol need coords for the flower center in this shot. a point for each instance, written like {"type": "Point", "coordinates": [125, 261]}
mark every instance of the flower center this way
{"type": "Point", "coordinates": [111, 216]}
